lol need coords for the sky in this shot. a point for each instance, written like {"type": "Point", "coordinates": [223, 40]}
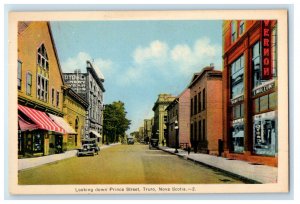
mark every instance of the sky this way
{"type": "Point", "coordinates": [140, 59]}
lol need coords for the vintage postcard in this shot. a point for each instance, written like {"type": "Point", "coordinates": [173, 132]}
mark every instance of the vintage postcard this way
{"type": "Point", "coordinates": [148, 102]}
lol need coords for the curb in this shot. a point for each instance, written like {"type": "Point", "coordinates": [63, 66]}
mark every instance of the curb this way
{"type": "Point", "coordinates": [244, 179]}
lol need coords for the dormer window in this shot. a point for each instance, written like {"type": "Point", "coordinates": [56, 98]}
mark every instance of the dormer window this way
{"type": "Point", "coordinates": [42, 57]}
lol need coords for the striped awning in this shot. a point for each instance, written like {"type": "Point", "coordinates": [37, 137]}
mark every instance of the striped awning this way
{"type": "Point", "coordinates": [95, 133]}
{"type": "Point", "coordinates": [62, 123]}
{"type": "Point", "coordinates": [41, 119]}
{"type": "Point", "coordinates": [26, 125]}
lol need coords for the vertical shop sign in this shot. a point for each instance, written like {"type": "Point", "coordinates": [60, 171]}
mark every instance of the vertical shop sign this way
{"type": "Point", "coordinates": [266, 50]}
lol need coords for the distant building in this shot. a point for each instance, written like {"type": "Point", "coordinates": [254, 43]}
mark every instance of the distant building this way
{"type": "Point", "coordinates": [250, 90]}
{"type": "Point", "coordinates": [89, 85]}
{"type": "Point", "coordinates": [147, 129]}
{"type": "Point", "coordinates": [160, 116]}
{"type": "Point", "coordinates": [206, 110]}
{"type": "Point", "coordinates": [179, 110]}
{"type": "Point", "coordinates": [141, 134]}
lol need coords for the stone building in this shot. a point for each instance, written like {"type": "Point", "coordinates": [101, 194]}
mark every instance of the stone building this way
{"type": "Point", "coordinates": [206, 110]}
{"type": "Point", "coordinates": [89, 85]}
{"type": "Point", "coordinates": [159, 129]}
{"type": "Point", "coordinates": [148, 123]}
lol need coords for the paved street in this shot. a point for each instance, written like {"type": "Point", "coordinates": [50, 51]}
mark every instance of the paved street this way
{"type": "Point", "coordinates": [124, 164]}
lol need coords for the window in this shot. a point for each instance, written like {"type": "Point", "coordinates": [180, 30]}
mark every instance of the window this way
{"type": "Point", "coordinates": [42, 88]}
{"type": "Point", "coordinates": [53, 96]}
{"type": "Point", "coordinates": [200, 129]}
{"type": "Point", "coordinates": [203, 128]}
{"type": "Point", "coordinates": [238, 111]}
{"type": "Point", "coordinates": [241, 27]}
{"type": "Point", "coordinates": [57, 98]}
{"type": "Point", "coordinates": [195, 104]}
{"type": "Point", "coordinates": [191, 132]}
{"type": "Point", "coordinates": [28, 83]}
{"type": "Point", "coordinates": [195, 131]}
{"type": "Point", "coordinates": [199, 102]}
{"type": "Point", "coordinates": [42, 57]}
{"type": "Point", "coordinates": [233, 31]}
{"type": "Point", "coordinates": [265, 103]}
{"type": "Point", "coordinates": [256, 64]}
{"type": "Point", "coordinates": [191, 107]}
{"type": "Point", "coordinates": [19, 75]}
{"type": "Point", "coordinates": [237, 134]}
{"type": "Point", "coordinates": [204, 100]}
{"type": "Point", "coordinates": [237, 77]}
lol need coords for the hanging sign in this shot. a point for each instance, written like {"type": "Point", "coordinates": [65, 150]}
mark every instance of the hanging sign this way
{"type": "Point", "coordinates": [266, 50]}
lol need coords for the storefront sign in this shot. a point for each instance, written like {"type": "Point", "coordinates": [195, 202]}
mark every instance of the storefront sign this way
{"type": "Point", "coordinates": [264, 88]}
{"type": "Point", "coordinates": [236, 100]}
{"type": "Point", "coordinates": [266, 50]}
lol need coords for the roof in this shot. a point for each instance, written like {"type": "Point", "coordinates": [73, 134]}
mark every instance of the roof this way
{"type": "Point", "coordinates": [199, 75]}
{"type": "Point", "coordinates": [90, 68]}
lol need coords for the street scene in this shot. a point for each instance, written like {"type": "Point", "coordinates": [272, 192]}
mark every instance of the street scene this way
{"type": "Point", "coordinates": [147, 102]}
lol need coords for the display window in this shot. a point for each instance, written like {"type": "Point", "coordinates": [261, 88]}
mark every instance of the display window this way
{"type": "Point", "coordinates": [37, 141]}
{"type": "Point", "coordinates": [237, 135]}
{"type": "Point", "coordinates": [265, 133]}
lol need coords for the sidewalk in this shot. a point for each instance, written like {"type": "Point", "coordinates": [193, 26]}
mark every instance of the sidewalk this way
{"type": "Point", "coordinates": [37, 161]}
{"type": "Point", "coordinates": [242, 169]}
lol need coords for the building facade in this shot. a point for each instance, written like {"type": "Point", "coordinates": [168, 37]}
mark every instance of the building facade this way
{"type": "Point", "coordinates": [147, 129]}
{"type": "Point", "coordinates": [75, 110]}
{"type": "Point", "coordinates": [179, 110]}
{"type": "Point", "coordinates": [250, 91]}
{"type": "Point", "coordinates": [159, 130]}
{"type": "Point", "coordinates": [206, 110]}
{"type": "Point", "coordinates": [89, 85]}
{"type": "Point", "coordinates": [40, 94]}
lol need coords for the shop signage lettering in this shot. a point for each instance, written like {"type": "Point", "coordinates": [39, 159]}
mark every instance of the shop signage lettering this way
{"type": "Point", "coordinates": [266, 50]}
{"type": "Point", "coordinates": [236, 100]}
{"type": "Point", "coordinates": [264, 88]}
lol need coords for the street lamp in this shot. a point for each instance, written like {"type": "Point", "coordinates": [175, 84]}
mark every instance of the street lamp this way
{"type": "Point", "coordinates": [176, 142]}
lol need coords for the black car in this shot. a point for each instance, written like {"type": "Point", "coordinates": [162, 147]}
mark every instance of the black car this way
{"type": "Point", "coordinates": [153, 143]}
{"type": "Point", "coordinates": [89, 147]}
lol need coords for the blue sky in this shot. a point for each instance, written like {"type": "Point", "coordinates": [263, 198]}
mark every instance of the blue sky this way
{"type": "Point", "coordinates": [140, 59]}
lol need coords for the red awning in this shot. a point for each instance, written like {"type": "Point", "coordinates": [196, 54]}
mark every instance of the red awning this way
{"type": "Point", "coordinates": [41, 119]}
{"type": "Point", "coordinates": [25, 125]}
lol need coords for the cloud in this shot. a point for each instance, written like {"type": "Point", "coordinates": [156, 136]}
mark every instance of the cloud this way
{"type": "Point", "coordinates": [104, 66]}
{"type": "Point", "coordinates": [159, 61]}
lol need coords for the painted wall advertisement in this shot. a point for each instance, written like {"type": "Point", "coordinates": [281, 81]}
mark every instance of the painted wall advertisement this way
{"type": "Point", "coordinates": [265, 135]}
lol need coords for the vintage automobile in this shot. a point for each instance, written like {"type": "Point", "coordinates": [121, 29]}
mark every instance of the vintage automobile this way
{"type": "Point", "coordinates": [130, 141]}
{"type": "Point", "coordinates": [153, 143]}
{"type": "Point", "coordinates": [89, 147]}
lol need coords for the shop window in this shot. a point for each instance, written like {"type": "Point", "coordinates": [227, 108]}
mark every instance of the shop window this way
{"type": "Point", "coordinates": [238, 135]}
{"type": "Point", "coordinates": [42, 57]}
{"type": "Point", "coordinates": [204, 130]}
{"type": "Point", "coordinates": [28, 83]}
{"type": "Point", "coordinates": [19, 75]}
{"type": "Point", "coordinates": [37, 143]}
{"type": "Point", "coordinates": [195, 131]}
{"type": "Point", "coordinates": [191, 107]}
{"type": "Point", "coordinates": [241, 27]}
{"type": "Point", "coordinates": [265, 135]}
{"type": "Point", "coordinates": [200, 130]}
{"type": "Point", "coordinates": [233, 31]}
{"type": "Point", "coordinates": [273, 100]}
{"type": "Point", "coordinates": [265, 103]}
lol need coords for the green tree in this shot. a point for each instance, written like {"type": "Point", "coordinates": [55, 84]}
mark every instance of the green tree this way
{"type": "Point", "coordinates": [115, 122]}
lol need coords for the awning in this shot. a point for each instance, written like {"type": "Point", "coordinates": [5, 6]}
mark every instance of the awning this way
{"type": "Point", "coordinates": [95, 133]}
{"type": "Point", "coordinates": [26, 125]}
{"type": "Point", "coordinates": [62, 123]}
{"type": "Point", "coordinates": [41, 119]}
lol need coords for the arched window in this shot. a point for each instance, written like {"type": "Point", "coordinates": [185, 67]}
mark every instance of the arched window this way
{"type": "Point", "coordinates": [42, 57]}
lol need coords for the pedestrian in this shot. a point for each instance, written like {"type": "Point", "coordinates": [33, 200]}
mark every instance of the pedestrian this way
{"type": "Point", "coordinates": [189, 149]}
{"type": "Point", "coordinates": [163, 142]}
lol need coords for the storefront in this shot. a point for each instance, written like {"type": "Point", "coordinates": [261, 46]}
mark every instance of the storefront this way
{"type": "Point", "coordinates": [38, 134]}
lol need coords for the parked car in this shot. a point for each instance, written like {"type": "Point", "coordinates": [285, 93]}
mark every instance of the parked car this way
{"type": "Point", "coordinates": [89, 147]}
{"type": "Point", "coordinates": [130, 141]}
{"type": "Point", "coordinates": [153, 143]}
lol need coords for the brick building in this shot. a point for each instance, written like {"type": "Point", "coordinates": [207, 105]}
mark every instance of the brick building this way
{"type": "Point", "coordinates": [179, 110]}
{"type": "Point", "coordinates": [250, 90]}
{"type": "Point", "coordinates": [206, 110]}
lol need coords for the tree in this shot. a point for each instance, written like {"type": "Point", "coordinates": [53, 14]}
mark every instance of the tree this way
{"type": "Point", "coordinates": [115, 122]}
